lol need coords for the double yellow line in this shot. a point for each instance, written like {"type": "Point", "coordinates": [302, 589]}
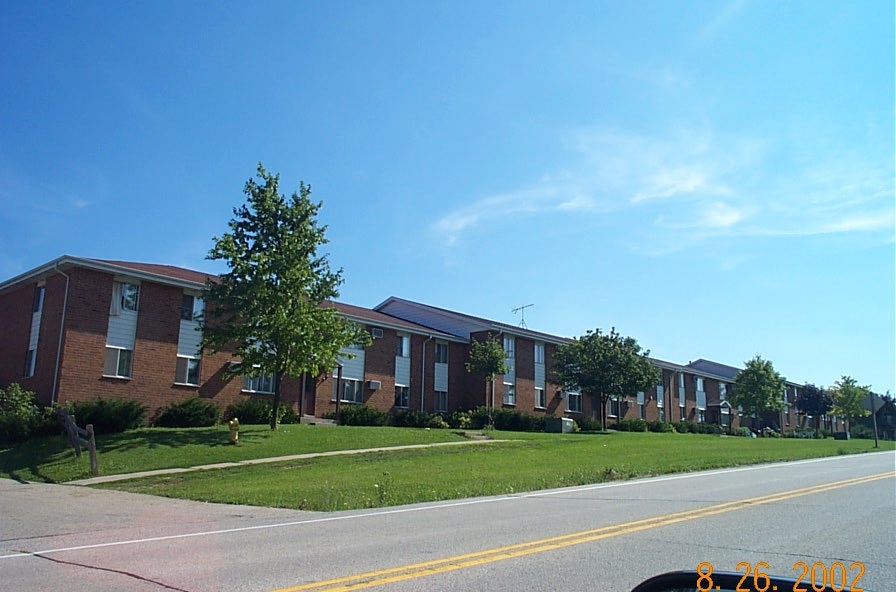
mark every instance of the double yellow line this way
{"type": "Point", "coordinates": [417, 570]}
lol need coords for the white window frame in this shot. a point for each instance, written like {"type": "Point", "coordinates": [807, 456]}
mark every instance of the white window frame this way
{"type": "Point", "coordinates": [573, 401]}
{"type": "Point", "coordinates": [539, 353]}
{"type": "Point", "coordinates": [441, 400]}
{"type": "Point", "coordinates": [403, 346]}
{"type": "Point", "coordinates": [195, 309]}
{"type": "Point", "coordinates": [509, 393]}
{"type": "Point", "coordinates": [509, 346]}
{"type": "Point", "coordinates": [130, 296]}
{"type": "Point", "coordinates": [107, 362]}
{"type": "Point", "coordinates": [614, 402]}
{"type": "Point", "coordinates": [262, 384]}
{"type": "Point", "coordinates": [441, 352]}
{"type": "Point", "coordinates": [183, 369]}
{"type": "Point", "coordinates": [357, 390]}
{"type": "Point", "coordinates": [541, 399]}
{"type": "Point", "coordinates": [402, 396]}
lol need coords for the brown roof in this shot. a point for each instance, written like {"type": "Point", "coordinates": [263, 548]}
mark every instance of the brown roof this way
{"type": "Point", "coordinates": [169, 271]}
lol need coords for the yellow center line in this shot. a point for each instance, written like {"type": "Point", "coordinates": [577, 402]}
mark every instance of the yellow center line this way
{"type": "Point", "coordinates": [417, 570]}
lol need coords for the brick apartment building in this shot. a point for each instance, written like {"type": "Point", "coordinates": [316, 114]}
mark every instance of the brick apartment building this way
{"type": "Point", "coordinates": [75, 329]}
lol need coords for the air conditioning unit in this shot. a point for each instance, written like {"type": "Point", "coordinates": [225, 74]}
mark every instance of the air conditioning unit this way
{"type": "Point", "coordinates": [376, 332]}
{"type": "Point", "coordinates": [374, 385]}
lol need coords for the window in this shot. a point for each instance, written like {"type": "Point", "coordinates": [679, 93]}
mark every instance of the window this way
{"type": "Point", "coordinates": [660, 395]}
{"type": "Point", "coordinates": [191, 308]}
{"type": "Point", "coordinates": [402, 396]}
{"type": "Point", "coordinates": [130, 295]}
{"type": "Point", "coordinates": [574, 402]}
{"type": "Point", "coordinates": [118, 362]}
{"type": "Point", "coordinates": [403, 346]}
{"type": "Point", "coordinates": [614, 407]}
{"type": "Point", "coordinates": [701, 416]}
{"type": "Point", "coordinates": [38, 302]}
{"type": "Point", "coordinates": [352, 390]}
{"type": "Point", "coordinates": [262, 383]}
{"type": "Point", "coordinates": [509, 394]}
{"type": "Point", "coordinates": [726, 416]}
{"type": "Point", "coordinates": [540, 400]}
{"type": "Point", "coordinates": [441, 400]}
{"type": "Point", "coordinates": [683, 414]}
{"type": "Point", "coordinates": [539, 353]}
{"type": "Point", "coordinates": [681, 393]}
{"type": "Point", "coordinates": [30, 359]}
{"type": "Point", "coordinates": [508, 346]}
{"type": "Point", "coordinates": [441, 353]}
{"type": "Point", "coordinates": [661, 414]}
{"type": "Point", "coordinates": [642, 407]}
{"type": "Point", "coordinates": [187, 371]}
{"type": "Point", "coordinates": [723, 391]}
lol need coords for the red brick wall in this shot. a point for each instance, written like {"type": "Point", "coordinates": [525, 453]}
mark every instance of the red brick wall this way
{"type": "Point", "coordinates": [15, 312]}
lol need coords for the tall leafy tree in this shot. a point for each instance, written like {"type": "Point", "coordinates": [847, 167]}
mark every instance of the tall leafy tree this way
{"type": "Point", "coordinates": [604, 366]}
{"type": "Point", "coordinates": [758, 388]}
{"type": "Point", "coordinates": [814, 401]}
{"type": "Point", "coordinates": [489, 359]}
{"type": "Point", "coordinates": [848, 398]}
{"type": "Point", "coordinates": [270, 307]}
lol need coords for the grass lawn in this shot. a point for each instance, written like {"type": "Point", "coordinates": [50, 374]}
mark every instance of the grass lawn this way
{"type": "Point", "coordinates": [52, 460]}
{"type": "Point", "coordinates": [526, 462]}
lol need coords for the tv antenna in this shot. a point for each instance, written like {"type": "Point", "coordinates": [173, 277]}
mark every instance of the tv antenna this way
{"type": "Point", "coordinates": [522, 311]}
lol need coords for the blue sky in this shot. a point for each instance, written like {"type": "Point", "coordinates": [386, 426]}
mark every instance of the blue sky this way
{"type": "Point", "coordinates": [715, 179]}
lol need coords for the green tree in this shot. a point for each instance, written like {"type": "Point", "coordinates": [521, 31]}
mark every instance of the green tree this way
{"type": "Point", "coordinates": [489, 359]}
{"type": "Point", "coordinates": [270, 308]}
{"type": "Point", "coordinates": [604, 366]}
{"type": "Point", "coordinates": [814, 401]}
{"type": "Point", "coordinates": [758, 388]}
{"type": "Point", "coordinates": [848, 398]}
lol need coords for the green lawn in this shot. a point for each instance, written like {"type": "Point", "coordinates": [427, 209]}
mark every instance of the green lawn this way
{"type": "Point", "coordinates": [52, 460]}
{"type": "Point", "coordinates": [525, 462]}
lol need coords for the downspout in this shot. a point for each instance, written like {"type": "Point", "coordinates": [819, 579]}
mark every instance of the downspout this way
{"type": "Point", "coordinates": [61, 333]}
{"type": "Point", "coordinates": [498, 336]}
{"type": "Point", "coordinates": [423, 374]}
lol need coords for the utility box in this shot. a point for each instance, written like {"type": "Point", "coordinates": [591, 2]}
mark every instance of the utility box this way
{"type": "Point", "coordinates": [559, 425]}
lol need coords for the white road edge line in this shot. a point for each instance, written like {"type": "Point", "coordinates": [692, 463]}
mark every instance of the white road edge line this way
{"type": "Point", "coordinates": [427, 507]}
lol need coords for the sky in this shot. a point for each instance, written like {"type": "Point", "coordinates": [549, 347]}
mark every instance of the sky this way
{"type": "Point", "coordinates": [714, 179]}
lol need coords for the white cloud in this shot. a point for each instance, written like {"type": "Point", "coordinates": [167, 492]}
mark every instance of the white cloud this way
{"type": "Point", "coordinates": [710, 184]}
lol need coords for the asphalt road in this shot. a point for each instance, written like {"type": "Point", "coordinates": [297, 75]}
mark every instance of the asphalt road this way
{"type": "Point", "coordinates": [602, 537]}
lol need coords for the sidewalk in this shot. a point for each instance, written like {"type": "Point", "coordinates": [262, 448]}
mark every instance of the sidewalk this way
{"type": "Point", "coordinates": [258, 461]}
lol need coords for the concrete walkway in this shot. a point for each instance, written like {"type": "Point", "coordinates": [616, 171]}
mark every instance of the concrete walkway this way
{"type": "Point", "coordinates": [258, 461]}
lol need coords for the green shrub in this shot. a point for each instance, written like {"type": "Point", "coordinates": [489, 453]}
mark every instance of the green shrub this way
{"type": "Point", "coordinates": [741, 431]}
{"type": "Point", "coordinates": [505, 419]}
{"type": "Point", "coordinates": [660, 427]}
{"type": "Point", "coordinates": [189, 413]}
{"type": "Point", "coordinates": [287, 415]}
{"type": "Point", "coordinates": [19, 414]}
{"type": "Point", "coordinates": [861, 431]}
{"type": "Point", "coordinates": [632, 425]}
{"type": "Point", "coordinates": [587, 424]}
{"type": "Point", "coordinates": [362, 415]}
{"type": "Point", "coordinates": [437, 422]}
{"type": "Point", "coordinates": [405, 418]}
{"type": "Point", "coordinates": [108, 416]}
{"type": "Point", "coordinates": [250, 411]}
{"type": "Point", "coordinates": [459, 420]}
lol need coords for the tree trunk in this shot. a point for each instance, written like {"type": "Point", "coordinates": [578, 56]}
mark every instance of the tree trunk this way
{"type": "Point", "coordinates": [275, 412]}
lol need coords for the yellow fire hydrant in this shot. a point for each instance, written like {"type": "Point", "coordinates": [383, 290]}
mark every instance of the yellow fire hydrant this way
{"type": "Point", "coordinates": [234, 430]}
